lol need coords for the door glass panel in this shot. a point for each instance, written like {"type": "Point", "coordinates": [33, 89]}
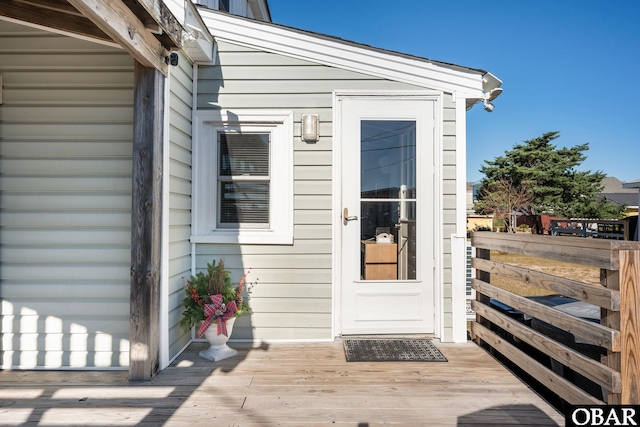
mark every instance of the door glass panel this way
{"type": "Point", "coordinates": [388, 199]}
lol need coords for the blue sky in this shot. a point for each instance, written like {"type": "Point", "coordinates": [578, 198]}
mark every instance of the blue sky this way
{"type": "Point", "coordinates": [571, 66]}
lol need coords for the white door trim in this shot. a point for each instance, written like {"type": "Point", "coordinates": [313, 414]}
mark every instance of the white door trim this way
{"type": "Point", "coordinates": [337, 229]}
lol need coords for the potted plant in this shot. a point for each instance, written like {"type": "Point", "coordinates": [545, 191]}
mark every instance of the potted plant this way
{"type": "Point", "coordinates": [212, 298]}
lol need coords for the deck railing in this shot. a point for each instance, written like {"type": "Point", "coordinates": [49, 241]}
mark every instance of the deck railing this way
{"type": "Point", "coordinates": [617, 334]}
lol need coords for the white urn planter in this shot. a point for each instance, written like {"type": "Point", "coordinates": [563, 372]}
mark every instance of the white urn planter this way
{"type": "Point", "coordinates": [218, 349]}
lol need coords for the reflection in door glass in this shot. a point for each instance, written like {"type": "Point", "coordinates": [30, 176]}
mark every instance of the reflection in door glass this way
{"type": "Point", "coordinates": [388, 199]}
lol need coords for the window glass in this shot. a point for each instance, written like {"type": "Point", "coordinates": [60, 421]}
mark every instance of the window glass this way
{"type": "Point", "coordinates": [243, 176]}
{"type": "Point", "coordinates": [244, 203]}
{"type": "Point", "coordinates": [388, 158]}
{"type": "Point", "coordinates": [244, 154]}
{"type": "Point", "coordinates": [388, 196]}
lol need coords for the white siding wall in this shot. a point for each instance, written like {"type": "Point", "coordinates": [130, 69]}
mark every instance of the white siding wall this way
{"type": "Point", "coordinates": [180, 109]}
{"type": "Point", "coordinates": [293, 298]}
{"type": "Point", "coordinates": [65, 200]}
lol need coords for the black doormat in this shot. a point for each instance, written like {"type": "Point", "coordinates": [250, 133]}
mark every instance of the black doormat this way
{"type": "Point", "coordinates": [391, 350]}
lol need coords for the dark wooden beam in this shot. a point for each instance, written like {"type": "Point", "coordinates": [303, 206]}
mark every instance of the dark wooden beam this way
{"type": "Point", "coordinates": [146, 223]}
{"type": "Point", "coordinates": [55, 14]}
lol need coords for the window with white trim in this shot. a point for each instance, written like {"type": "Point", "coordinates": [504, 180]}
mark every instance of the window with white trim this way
{"type": "Point", "coordinates": [243, 177]}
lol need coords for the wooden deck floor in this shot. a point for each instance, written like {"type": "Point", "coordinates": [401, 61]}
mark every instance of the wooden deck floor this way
{"type": "Point", "coordinates": [285, 385]}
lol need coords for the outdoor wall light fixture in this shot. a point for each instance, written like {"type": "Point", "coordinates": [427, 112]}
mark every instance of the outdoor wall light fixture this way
{"type": "Point", "coordinates": [490, 96]}
{"type": "Point", "coordinates": [310, 127]}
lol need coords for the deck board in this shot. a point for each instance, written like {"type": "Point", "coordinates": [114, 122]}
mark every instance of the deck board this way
{"type": "Point", "coordinates": [282, 384]}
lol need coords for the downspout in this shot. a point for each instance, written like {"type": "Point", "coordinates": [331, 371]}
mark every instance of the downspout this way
{"type": "Point", "coordinates": [164, 243]}
{"type": "Point", "coordinates": [194, 108]}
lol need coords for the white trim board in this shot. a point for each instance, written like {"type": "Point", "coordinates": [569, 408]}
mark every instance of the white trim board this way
{"type": "Point", "coordinates": [466, 82]}
{"type": "Point", "coordinates": [459, 238]}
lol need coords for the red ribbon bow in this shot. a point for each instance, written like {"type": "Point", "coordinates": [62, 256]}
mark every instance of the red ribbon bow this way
{"type": "Point", "coordinates": [219, 312]}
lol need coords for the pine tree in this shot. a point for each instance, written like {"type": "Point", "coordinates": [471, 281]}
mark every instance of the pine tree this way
{"type": "Point", "coordinates": [550, 175]}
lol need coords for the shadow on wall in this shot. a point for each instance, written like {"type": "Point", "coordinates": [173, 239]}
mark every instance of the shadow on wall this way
{"type": "Point", "coordinates": [35, 339]}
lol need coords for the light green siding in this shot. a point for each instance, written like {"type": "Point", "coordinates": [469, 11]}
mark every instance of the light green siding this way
{"type": "Point", "coordinates": [179, 263]}
{"type": "Point", "coordinates": [293, 295]}
{"type": "Point", "coordinates": [65, 201]}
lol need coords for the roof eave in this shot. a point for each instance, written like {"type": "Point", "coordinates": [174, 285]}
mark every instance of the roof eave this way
{"type": "Point", "coordinates": [465, 82]}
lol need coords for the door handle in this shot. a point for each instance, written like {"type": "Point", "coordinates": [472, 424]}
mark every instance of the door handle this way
{"type": "Point", "coordinates": [346, 218]}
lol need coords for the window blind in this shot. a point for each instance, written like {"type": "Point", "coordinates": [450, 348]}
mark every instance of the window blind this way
{"type": "Point", "coordinates": [244, 154]}
{"type": "Point", "coordinates": [243, 176]}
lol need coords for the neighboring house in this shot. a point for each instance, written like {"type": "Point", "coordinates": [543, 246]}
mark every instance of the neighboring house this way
{"type": "Point", "coordinates": [476, 221]}
{"type": "Point", "coordinates": [618, 192]}
{"type": "Point", "coordinates": [280, 150]}
{"type": "Point", "coordinates": [635, 184]}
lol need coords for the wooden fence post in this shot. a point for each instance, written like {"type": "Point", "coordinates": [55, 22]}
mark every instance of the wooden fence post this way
{"type": "Point", "coordinates": [610, 279]}
{"type": "Point", "coordinates": [627, 321]}
{"type": "Point", "coordinates": [630, 326]}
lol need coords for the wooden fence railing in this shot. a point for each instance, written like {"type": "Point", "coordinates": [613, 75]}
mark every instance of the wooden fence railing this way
{"type": "Point", "coordinates": [617, 334]}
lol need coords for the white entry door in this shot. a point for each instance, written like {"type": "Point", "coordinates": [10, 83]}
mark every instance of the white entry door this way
{"type": "Point", "coordinates": [387, 227]}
